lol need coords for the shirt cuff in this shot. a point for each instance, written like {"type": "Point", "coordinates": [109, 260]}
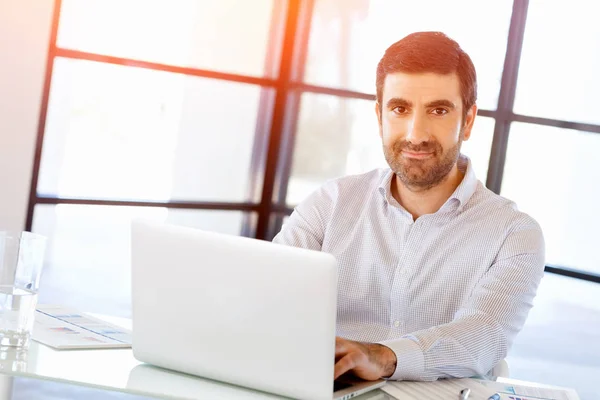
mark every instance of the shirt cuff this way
{"type": "Point", "coordinates": [410, 361]}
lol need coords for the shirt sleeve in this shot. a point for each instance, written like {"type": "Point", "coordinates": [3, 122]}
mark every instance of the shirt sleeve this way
{"type": "Point", "coordinates": [307, 225]}
{"type": "Point", "coordinates": [483, 329]}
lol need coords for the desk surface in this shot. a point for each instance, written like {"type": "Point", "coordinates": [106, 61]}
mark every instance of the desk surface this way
{"type": "Point", "coordinates": [117, 369]}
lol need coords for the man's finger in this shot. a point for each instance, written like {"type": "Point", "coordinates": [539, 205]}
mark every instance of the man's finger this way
{"type": "Point", "coordinates": [344, 365]}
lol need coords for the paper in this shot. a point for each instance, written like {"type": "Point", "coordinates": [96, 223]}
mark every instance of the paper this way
{"type": "Point", "coordinates": [65, 328]}
{"type": "Point", "coordinates": [510, 391]}
{"type": "Point", "coordinates": [440, 389]}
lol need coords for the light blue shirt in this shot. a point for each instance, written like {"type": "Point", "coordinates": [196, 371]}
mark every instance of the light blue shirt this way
{"type": "Point", "coordinates": [447, 293]}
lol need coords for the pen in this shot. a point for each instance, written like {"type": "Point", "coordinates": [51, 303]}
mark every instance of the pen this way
{"type": "Point", "coordinates": [495, 396]}
{"type": "Point", "coordinates": [464, 394]}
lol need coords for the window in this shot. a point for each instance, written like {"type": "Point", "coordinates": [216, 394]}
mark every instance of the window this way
{"type": "Point", "coordinates": [553, 174]}
{"type": "Point", "coordinates": [558, 74]}
{"type": "Point", "coordinates": [335, 136]}
{"type": "Point", "coordinates": [225, 35]}
{"type": "Point", "coordinates": [125, 138]}
{"type": "Point", "coordinates": [348, 38]}
{"type": "Point", "coordinates": [120, 132]}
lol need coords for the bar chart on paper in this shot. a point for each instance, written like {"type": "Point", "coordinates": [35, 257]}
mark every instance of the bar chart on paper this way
{"type": "Point", "coordinates": [479, 390]}
{"type": "Point", "coordinates": [530, 391]}
{"type": "Point", "coordinates": [64, 328]}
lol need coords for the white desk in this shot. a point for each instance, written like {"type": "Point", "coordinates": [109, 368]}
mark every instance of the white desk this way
{"type": "Point", "coordinates": [117, 369]}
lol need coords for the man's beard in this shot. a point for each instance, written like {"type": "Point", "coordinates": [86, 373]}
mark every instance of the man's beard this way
{"type": "Point", "coordinates": [422, 174]}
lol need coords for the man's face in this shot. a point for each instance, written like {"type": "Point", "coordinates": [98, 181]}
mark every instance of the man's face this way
{"type": "Point", "coordinates": [422, 126]}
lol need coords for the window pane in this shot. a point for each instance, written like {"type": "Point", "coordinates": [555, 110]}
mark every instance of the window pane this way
{"type": "Point", "coordinates": [348, 38]}
{"type": "Point", "coordinates": [558, 74]}
{"type": "Point", "coordinates": [132, 133]}
{"type": "Point", "coordinates": [563, 308]}
{"type": "Point", "coordinates": [553, 174]}
{"type": "Point", "coordinates": [226, 35]}
{"type": "Point", "coordinates": [88, 254]}
{"type": "Point", "coordinates": [479, 146]}
{"type": "Point", "coordinates": [336, 137]}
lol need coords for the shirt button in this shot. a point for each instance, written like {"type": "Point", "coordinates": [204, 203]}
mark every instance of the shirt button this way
{"type": "Point", "coordinates": [397, 324]}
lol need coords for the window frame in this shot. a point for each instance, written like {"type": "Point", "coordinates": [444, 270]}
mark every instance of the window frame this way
{"type": "Point", "coordinates": [275, 129]}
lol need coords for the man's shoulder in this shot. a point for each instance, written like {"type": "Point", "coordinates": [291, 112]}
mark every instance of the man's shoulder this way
{"type": "Point", "coordinates": [501, 208]}
{"type": "Point", "coordinates": [371, 179]}
{"type": "Point", "coordinates": [357, 186]}
{"type": "Point", "coordinates": [348, 193]}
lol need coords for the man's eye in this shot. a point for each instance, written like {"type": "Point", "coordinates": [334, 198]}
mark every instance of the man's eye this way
{"type": "Point", "coordinates": [400, 110]}
{"type": "Point", "coordinates": [440, 111]}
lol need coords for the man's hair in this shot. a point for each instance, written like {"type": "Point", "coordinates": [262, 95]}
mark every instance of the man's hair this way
{"type": "Point", "coordinates": [422, 52]}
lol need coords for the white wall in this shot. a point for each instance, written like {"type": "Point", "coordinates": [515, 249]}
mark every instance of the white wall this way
{"type": "Point", "coordinates": [24, 36]}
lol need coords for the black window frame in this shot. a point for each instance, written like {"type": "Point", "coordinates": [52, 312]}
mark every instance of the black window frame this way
{"type": "Point", "coordinates": [278, 116]}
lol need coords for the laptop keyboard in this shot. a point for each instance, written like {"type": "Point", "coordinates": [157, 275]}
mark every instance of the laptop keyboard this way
{"type": "Point", "coordinates": [337, 385]}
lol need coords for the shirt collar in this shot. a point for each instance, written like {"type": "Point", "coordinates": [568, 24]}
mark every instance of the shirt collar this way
{"type": "Point", "coordinates": [385, 185]}
{"type": "Point", "coordinates": [467, 187]}
{"type": "Point", "coordinates": [462, 193]}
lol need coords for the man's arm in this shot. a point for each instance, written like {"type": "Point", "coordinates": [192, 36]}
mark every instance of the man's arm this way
{"type": "Point", "coordinates": [306, 226]}
{"type": "Point", "coordinates": [483, 329]}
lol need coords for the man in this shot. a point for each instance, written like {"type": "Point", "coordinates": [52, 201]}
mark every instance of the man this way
{"type": "Point", "coordinates": [436, 273]}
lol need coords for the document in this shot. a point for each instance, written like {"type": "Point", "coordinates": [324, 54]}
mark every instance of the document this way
{"type": "Point", "coordinates": [480, 390]}
{"type": "Point", "coordinates": [64, 328]}
{"type": "Point", "coordinates": [530, 391]}
{"type": "Point", "coordinates": [440, 389]}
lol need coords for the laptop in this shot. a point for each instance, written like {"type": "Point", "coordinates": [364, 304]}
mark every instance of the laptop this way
{"type": "Point", "coordinates": [237, 310]}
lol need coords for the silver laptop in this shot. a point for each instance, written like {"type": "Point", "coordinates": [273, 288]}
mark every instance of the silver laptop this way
{"type": "Point", "coordinates": [237, 310]}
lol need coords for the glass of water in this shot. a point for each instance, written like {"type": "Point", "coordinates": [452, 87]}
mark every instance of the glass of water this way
{"type": "Point", "coordinates": [21, 260]}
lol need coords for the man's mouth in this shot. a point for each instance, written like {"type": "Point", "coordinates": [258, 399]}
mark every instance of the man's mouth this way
{"type": "Point", "coordinates": [419, 155]}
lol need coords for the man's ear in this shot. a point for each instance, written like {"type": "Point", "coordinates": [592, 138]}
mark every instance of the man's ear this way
{"type": "Point", "coordinates": [469, 120]}
{"type": "Point", "coordinates": [378, 112]}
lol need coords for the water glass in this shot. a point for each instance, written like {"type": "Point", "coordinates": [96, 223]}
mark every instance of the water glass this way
{"type": "Point", "coordinates": [21, 260]}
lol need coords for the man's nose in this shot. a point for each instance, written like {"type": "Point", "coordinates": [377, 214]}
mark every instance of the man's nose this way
{"type": "Point", "coordinates": [418, 131]}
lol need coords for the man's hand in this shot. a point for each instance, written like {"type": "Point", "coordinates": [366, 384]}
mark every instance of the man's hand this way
{"type": "Point", "coordinates": [369, 361]}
